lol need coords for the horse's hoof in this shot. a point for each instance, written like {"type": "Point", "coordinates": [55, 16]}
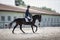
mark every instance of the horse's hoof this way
{"type": "Point", "coordinates": [23, 32]}
{"type": "Point", "coordinates": [12, 32]}
{"type": "Point", "coordinates": [33, 32]}
{"type": "Point", "coordinates": [9, 27]}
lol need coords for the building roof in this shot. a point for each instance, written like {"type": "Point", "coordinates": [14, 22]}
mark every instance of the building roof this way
{"type": "Point", "coordinates": [46, 11]}
{"type": "Point", "coordinates": [17, 9]}
{"type": "Point", "coordinates": [4, 7]}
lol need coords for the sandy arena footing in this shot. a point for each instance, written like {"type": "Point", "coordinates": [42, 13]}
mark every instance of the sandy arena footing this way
{"type": "Point", "coordinates": [43, 33]}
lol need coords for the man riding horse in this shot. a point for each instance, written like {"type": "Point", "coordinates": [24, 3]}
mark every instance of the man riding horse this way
{"type": "Point", "coordinates": [26, 21]}
{"type": "Point", "coordinates": [28, 16]}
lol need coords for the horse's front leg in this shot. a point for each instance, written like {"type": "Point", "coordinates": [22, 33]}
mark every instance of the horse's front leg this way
{"type": "Point", "coordinates": [14, 28]}
{"type": "Point", "coordinates": [32, 29]}
{"type": "Point", "coordinates": [21, 28]}
{"type": "Point", "coordinates": [36, 27]}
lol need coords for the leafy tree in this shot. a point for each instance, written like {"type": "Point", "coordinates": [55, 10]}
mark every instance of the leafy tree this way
{"type": "Point", "coordinates": [49, 9]}
{"type": "Point", "coordinates": [20, 2]}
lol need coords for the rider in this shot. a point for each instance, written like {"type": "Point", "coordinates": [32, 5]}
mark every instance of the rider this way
{"type": "Point", "coordinates": [28, 16]}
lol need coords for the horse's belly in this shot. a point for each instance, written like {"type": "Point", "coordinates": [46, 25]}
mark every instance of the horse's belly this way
{"type": "Point", "coordinates": [28, 23]}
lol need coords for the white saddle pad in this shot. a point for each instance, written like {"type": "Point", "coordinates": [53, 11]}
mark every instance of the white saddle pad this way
{"type": "Point", "coordinates": [26, 20]}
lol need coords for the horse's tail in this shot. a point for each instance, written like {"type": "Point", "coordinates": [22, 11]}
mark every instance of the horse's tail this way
{"type": "Point", "coordinates": [10, 25]}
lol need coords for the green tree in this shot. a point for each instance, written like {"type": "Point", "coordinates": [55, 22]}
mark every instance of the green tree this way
{"type": "Point", "coordinates": [49, 9]}
{"type": "Point", "coordinates": [19, 2]}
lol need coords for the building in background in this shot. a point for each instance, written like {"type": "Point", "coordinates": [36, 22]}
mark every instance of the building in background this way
{"type": "Point", "coordinates": [9, 11]}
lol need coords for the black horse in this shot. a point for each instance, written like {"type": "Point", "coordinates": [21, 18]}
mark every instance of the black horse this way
{"type": "Point", "coordinates": [20, 21]}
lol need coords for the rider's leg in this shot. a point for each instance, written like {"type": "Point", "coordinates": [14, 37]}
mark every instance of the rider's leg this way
{"type": "Point", "coordinates": [29, 19]}
{"type": "Point", "coordinates": [26, 20]}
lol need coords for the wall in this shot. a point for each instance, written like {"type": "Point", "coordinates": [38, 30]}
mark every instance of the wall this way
{"type": "Point", "coordinates": [11, 14]}
{"type": "Point", "coordinates": [50, 20]}
{"type": "Point", "coordinates": [46, 20]}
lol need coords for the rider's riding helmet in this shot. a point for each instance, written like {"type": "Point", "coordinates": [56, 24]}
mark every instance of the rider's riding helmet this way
{"type": "Point", "coordinates": [28, 6]}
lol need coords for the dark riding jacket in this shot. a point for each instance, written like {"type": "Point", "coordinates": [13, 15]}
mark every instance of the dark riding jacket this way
{"type": "Point", "coordinates": [27, 14]}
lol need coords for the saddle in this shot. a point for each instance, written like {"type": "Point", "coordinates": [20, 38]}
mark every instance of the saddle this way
{"type": "Point", "coordinates": [28, 20]}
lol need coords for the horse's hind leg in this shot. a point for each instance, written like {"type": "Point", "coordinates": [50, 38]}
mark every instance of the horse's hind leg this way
{"type": "Point", "coordinates": [36, 27]}
{"type": "Point", "coordinates": [14, 28]}
{"type": "Point", "coordinates": [21, 28]}
{"type": "Point", "coordinates": [32, 29]}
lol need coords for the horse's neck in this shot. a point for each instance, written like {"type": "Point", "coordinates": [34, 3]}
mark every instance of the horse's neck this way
{"type": "Point", "coordinates": [34, 20]}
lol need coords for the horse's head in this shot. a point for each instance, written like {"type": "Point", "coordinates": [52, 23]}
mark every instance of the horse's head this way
{"type": "Point", "coordinates": [37, 17]}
